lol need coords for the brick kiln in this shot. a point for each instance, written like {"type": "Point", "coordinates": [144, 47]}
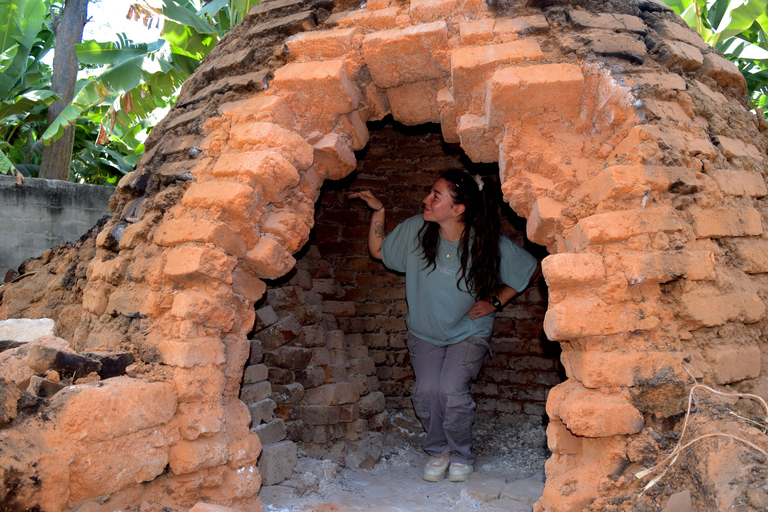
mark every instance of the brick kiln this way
{"type": "Point", "coordinates": [619, 135]}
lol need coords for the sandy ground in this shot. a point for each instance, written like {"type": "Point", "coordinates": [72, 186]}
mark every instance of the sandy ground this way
{"type": "Point", "coordinates": [513, 452]}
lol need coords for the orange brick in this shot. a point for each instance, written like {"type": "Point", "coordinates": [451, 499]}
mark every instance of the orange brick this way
{"type": "Point", "coordinates": [190, 353]}
{"type": "Point", "coordinates": [204, 309]}
{"type": "Point", "coordinates": [323, 44]}
{"type": "Point", "coordinates": [301, 83]}
{"type": "Point", "coordinates": [724, 223]}
{"type": "Point", "coordinates": [642, 145]}
{"type": "Point", "coordinates": [291, 229]}
{"type": "Point", "coordinates": [431, 10]}
{"type": "Point", "coordinates": [660, 267]}
{"type": "Point", "coordinates": [268, 169]}
{"type": "Point", "coordinates": [412, 54]}
{"type": "Point", "coordinates": [96, 297]}
{"type": "Point", "coordinates": [715, 96]}
{"type": "Point", "coordinates": [259, 136]}
{"type": "Point", "coordinates": [540, 227]}
{"type": "Point", "coordinates": [580, 317]}
{"type": "Point", "coordinates": [186, 229]}
{"type": "Point", "coordinates": [334, 158]}
{"type": "Point", "coordinates": [205, 452]}
{"type": "Point", "coordinates": [708, 306]}
{"type": "Point", "coordinates": [352, 126]}
{"type": "Point", "coordinates": [561, 440]}
{"type": "Point", "coordinates": [733, 363]}
{"type": "Point", "coordinates": [415, 103]}
{"type": "Point", "coordinates": [678, 32]}
{"type": "Point", "coordinates": [476, 31]}
{"type": "Point", "coordinates": [733, 148]}
{"type": "Point", "coordinates": [266, 109]}
{"type": "Point", "coordinates": [136, 299]}
{"type": "Point", "coordinates": [620, 225]}
{"type": "Point", "coordinates": [449, 115]}
{"type": "Point", "coordinates": [569, 269]}
{"type": "Point", "coordinates": [381, 19]}
{"type": "Point", "coordinates": [590, 413]}
{"type": "Point", "coordinates": [725, 72]}
{"type": "Point", "coordinates": [530, 89]}
{"type": "Point", "coordinates": [623, 181]}
{"type": "Point", "coordinates": [668, 81]}
{"type": "Point", "coordinates": [235, 198]}
{"type": "Point", "coordinates": [597, 368]}
{"type": "Point", "coordinates": [740, 183]}
{"type": "Point", "coordinates": [752, 255]}
{"type": "Point", "coordinates": [475, 140]}
{"type": "Point", "coordinates": [268, 259]}
{"type": "Point", "coordinates": [520, 24]}
{"type": "Point", "coordinates": [192, 263]}
{"type": "Point", "coordinates": [472, 66]}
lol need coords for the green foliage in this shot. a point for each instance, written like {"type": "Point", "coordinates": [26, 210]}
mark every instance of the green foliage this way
{"type": "Point", "coordinates": [124, 88]}
{"type": "Point", "coordinates": [737, 28]}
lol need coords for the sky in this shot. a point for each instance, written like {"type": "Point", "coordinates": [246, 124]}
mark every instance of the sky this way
{"type": "Point", "coordinates": [107, 18]}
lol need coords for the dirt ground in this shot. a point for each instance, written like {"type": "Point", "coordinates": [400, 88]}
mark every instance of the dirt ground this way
{"type": "Point", "coordinates": [515, 452]}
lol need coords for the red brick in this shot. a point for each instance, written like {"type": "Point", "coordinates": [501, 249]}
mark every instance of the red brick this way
{"type": "Point", "coordinates": [319, 414]}
{"type": "Point", "coordinates": [332, 394]}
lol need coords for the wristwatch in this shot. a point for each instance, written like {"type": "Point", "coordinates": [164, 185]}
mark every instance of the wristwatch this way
{"type": "Point", "coordinates": [497, 303]}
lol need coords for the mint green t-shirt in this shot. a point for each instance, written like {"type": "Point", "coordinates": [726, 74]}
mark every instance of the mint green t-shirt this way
{"type": "Point", "coordinates": [437, 308]}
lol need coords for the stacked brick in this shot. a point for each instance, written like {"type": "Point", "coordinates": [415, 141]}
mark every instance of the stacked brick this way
{"type": "Point", "coordinates": [307, 384]}
{"type": "Point", "coordinates": [621, 138]}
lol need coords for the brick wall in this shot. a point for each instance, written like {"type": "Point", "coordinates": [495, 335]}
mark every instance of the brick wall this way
{"type": "Point", "coordinates": [399, 166]}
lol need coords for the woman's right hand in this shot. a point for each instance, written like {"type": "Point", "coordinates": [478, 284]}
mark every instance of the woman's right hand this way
{"type": "Point", "coordinates": [371, 200]}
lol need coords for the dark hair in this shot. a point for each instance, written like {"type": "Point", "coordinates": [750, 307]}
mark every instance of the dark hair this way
{"type": "Point", "coordinates": [478, 250]}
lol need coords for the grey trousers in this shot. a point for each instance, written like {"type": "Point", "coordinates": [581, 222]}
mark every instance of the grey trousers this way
{"type": "Point", "coordinates": [441, 396]}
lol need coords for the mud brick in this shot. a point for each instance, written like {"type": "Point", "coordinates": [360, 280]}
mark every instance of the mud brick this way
{"type": "Point", "coordinates": [579, 317]}
{"type": "Point", "coordinates": [281, 376]}
{"type": "Point", "coordinates": [517, 89]}
{"type": "Point", "coordinates": [277, 461]}
{"type": "Point", "coordinates": [311, 377]}
{"type": "Point", "coordinates": [333, 394]}
{"type": "Point", "coordinates": [373, 383]}
{"type": "Point", "coordinates": [272, 432]}
{"type": "Point", "coordinates": [339, 430]}
{"type": "Point", "coordinates": [607, 21]}
{"type": "Point", "coordinates": [723, 222]}
{"type": "Point", "coordinates": [319, 434]}
{"type": "Point", "coordinates": [321, 356]}
{"type": "Point", "coordinates": [709, 306]}
{"type": "Point", "coordinates": [335, 373]}
{"type": "Point", "coordinates": [569, 269]}
{"type": "Point", "coordinates": [669, 81]}
{"type": "Point", "coordinates": [279, 334]}
{"type": "Point", "coordinates": [617, 45]}
{"type": "Point", "coordinates": [291, 358]}
{"type": "Point", "coordinates": [740, 183]}
{"type": "Point", "coordinates": [673, 53]}
{"type": "Point", "coordinates": [733, 363]}
{"type": "Point", "coordinates": [591, 413]}
{"type": "Point", "coordinates": [376, 340]}
{"type": "Point", "coordinates": [725, 72]}
{"type": "Point", "coordinates": [255, 373]}
{"type": "Point", "coordinates": [334, 339]}
{"type": "Point", "coordinates": [621, 225]}
{"type": "Point", "coordinates": [412, 54]}
{"type": "Point", "coordinates": [349, 412]}
{"type": "Point", "coordinates": [256, 354]}
{"type": "Point", "coordinates": [385, 372]}
{"type": "Point", "coordinates": [339, 357]}
{"type": "Point", "coordinates": [253, 393]}
{"type": "Point", "coordinates": [354, 430]}
{"type": "Point", "coordinates": [294, 429]}
{"type": "Point", "coordinates": [379, 422]}
{"type": "Point", "coordinates": [519, 25]}
{"type": "Point", "coordinates": [319, 414]}
{"type": "Point", "coordinates": [357, 351]}
{"type": "Point", "coordinates": [371, 404]}
{"type": "Point", "coordinates": [262, 412]}
{"type": "Point", "coordinates": [363, 365]}
{"type": "Point", "coordinates": [339, 308]}
{"type": "Point", "coordinates": [288, 393]}
{"type": "Point", "coordinates": [678, 32]}
{"type": "Point", "coordinates": [734, 148]}
{"type": "Point", "coordinates": [353, 341]}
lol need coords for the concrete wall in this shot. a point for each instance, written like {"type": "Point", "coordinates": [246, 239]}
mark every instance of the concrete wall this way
{"type": "Point", "coordinates": [45, 213]}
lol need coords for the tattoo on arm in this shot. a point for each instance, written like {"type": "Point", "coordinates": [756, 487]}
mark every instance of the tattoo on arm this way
{"type": "Point", "coordinates": [378, 229]}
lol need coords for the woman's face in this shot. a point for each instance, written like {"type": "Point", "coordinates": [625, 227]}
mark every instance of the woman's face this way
{"type": "Point", "coordinates": [439, 205]}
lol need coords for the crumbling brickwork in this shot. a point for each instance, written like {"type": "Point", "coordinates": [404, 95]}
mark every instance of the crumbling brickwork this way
{"type": "Point", "coordinates": [623, 141]}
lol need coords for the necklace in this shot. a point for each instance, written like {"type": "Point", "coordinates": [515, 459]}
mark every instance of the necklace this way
{"type": "Point", "coordinates": [448, 255]}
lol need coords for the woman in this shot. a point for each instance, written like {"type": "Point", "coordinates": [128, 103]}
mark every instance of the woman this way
{"type": "Point", "coordinates": [459, 270]}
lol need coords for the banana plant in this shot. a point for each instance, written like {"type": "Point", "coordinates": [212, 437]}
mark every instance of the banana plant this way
{"type": "Point", "coordinates": [739, 29]}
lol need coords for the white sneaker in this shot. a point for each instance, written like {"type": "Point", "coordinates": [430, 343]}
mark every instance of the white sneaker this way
{"type": "Point", "coordinates": [435, 469]}
{"type": "Point", "coordinates": [459, 472]}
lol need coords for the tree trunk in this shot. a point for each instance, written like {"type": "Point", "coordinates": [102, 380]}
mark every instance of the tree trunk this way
{"type": "Point", "coordinates": [69, 31]}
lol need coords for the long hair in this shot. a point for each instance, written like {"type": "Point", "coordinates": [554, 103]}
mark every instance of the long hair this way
{"type": "Point", "coordinates": [479, 251]}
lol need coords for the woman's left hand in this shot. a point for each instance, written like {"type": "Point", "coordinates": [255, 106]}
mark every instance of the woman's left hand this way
{"type": "Point", "coordinates": [480, 309]}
